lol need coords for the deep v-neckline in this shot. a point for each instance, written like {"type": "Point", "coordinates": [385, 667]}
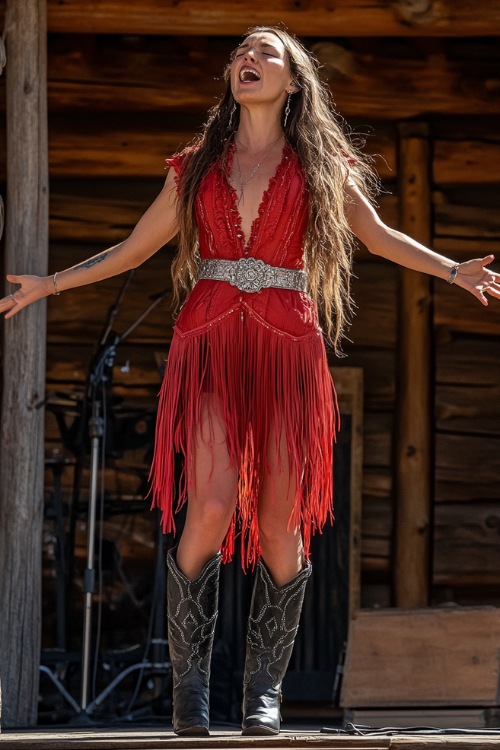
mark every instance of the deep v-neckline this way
{"type": "Point", "coordinates": [247, 243]}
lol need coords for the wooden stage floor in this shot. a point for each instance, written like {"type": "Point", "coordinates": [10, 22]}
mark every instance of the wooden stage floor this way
{"type": "Point", "coordinates": [299, 739]}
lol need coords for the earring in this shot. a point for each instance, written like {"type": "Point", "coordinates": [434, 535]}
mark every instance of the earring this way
{"type": "Point", "coordinates": [287, 108]}
{"type": "Point", "coordinates": [233, 110]}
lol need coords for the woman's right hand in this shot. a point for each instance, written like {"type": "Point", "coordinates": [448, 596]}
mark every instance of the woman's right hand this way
{"type": "Point", "coordinates": [31, 288]}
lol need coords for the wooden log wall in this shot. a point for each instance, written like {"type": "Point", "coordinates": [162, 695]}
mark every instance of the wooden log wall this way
{"type": "Point", "coordinates": [129, 84]}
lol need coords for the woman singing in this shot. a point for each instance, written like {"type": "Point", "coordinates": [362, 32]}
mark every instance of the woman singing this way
{"type": "Point", "coordinates": [267, 204]}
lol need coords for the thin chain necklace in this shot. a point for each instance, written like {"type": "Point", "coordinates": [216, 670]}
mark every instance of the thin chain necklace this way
{"type": "Point", "coordinates": [255, 169]}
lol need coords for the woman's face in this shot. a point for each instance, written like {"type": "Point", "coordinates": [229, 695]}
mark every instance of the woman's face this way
{"type": "Point", "coordinates": [260, 70]}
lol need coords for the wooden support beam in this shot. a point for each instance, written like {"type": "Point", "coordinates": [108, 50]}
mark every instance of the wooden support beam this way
{"type": "Point", "coordinates": [303, 17]}
{"type": "Point", "coordinates": [22, 423]}
{"type": "Point", "coordinates": [413, 448]}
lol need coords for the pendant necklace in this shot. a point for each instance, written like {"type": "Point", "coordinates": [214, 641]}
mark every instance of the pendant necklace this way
{"type": "Point", "coordinates": [254, 171]}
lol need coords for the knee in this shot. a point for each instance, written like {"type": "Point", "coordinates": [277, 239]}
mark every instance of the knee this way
{"type": "Point", "coordinates": [213, 510]}
{"type": "Point", "coordinates": [274, 538]}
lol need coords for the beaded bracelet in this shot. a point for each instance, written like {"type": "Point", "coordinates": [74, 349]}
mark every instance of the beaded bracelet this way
{"type": "Point", "coordinates": [54, 280]}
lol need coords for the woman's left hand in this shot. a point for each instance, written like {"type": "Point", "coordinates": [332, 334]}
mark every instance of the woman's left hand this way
{"type": "Point", "coordinates": [477, 279]}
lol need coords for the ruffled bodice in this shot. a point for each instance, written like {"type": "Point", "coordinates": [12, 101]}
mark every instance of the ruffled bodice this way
{"type": "Point", "coordinates": [276, 237]}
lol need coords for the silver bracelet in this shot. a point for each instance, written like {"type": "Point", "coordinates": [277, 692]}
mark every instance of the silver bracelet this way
{"type": "Point", "coordinates": [453, 273]}
{"type": "Point", "coordinates": [54, 280]}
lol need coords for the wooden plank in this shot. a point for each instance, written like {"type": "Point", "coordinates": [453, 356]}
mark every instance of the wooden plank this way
{"type": "Point", "coordinates": [459, 312]}
{"type": "Point", "coordinates": [92, 219]}
{"type": "Point", "coordinates": [376, 546]}
{"type": "Point", "coordinates": [374, 290]}
{"type": "Point", "coordinates": [413, 446]}
{"type": "Point", "coordinates": [23, 361]}
{"type": "Point", "coordinates": [465, 248]}
{"type": "Point", "coordinates": [457, 220]}
{"type": "Point", "coordinates": [117, 74]}
{"type": "Point", "coordinates": [466, 162]}
{"type": "Point", "coordinates": [105, 147]}
{"type": "Point", "coordinates": [307, 18]}
{"type": "Point", "coordinates": [467, 385]}
{"type": "Point", "coordinates": [423, 658]}
{"type": "Point", "coordinates": [378, 429]}
{"type": "Point", "coordinates": [467, 468]}
{"type": "Point", "coordinates": [466, 542]}
{"type": "Point", "coordinates": [295, 737]}
{"type": "Point", "coordinates": [138, 147]}
{"type": "Point", "coordinates": [160, 737]}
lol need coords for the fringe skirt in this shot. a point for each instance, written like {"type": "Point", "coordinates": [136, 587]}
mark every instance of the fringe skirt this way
{"type": "Point", "coordinates": [265, 382]}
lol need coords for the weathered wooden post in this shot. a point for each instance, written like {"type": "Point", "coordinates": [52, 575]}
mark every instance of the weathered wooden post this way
{"type": "Point", "coordinates": [22, 422]}
{"type": "Point", "coordinates": [413, 446]}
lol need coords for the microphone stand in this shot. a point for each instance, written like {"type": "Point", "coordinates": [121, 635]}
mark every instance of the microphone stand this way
{"type": "Point", "coordinates": [100, 377]}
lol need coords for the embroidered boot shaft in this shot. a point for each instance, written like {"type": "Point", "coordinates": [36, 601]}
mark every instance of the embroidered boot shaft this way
{"type": "Point", "coordinates": [192, 614]}
{"type": "Point", "coordinates": [272, 627]}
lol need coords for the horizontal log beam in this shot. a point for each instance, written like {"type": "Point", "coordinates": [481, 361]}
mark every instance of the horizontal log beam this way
{"type": "Point", "coordinates": [457, 220]}
{"type": "Point", "coordinates": [118, 76]}
{"type": "Point", "coordinates": [466, 248]}
{"type": "Point", "coordinates": [109, 147]}
{"type": "Point", "coordinates": [466, 539]}
{"type": "Point", "coordinates": [457, 311]}
{"type": "Point", "coordinates": [467, 162]}
{"type": "Point", "coordinates": [458, 479]}
{"type": "Point", "coordinates": [103, 147]}
{"type": "Point", "coordinates": [76, 218]}
{"type": "Point", "coordinates": [304, 17]}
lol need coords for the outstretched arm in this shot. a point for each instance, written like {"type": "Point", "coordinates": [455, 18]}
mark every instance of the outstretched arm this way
{"type": "Point", "coordinates": [155, 228]}
{"type": "Point", "coordinates": [472, 275]}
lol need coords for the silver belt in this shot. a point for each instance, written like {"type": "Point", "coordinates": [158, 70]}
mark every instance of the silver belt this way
{"type": "Point", "coordinates": [252, 274]}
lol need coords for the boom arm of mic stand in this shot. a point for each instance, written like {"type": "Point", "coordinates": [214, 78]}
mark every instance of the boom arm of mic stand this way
{"type": "Point", "coordinates": [112, 311]}
{"type": "Point", "coordinates": [146, 312]}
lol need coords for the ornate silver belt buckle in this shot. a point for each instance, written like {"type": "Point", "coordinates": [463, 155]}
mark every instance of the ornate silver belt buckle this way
{"type": "Point", "coordinates": [250, 274]}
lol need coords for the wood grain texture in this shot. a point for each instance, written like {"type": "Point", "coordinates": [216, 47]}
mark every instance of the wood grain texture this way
{"type": "Point", "coordinates": [22, 424]}
{"type": "Point", "coordinates": [467, 543]}
{"type": "Point", "coordinates": [130, 75]}
{"type": "Point", "coordinates": [413, 446]}
{"type": "Point", "coordinates": [466, 468]}
{"type": "Point", "coordinates": [306, 17]}
{"type": "Point", "coordinates": [423, 657]}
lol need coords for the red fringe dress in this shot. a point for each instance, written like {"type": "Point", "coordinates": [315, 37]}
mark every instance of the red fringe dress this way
{"type": "Point", "coordinates": [262, 354]}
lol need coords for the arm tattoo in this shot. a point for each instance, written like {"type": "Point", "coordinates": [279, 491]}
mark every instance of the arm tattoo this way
{"type": "Point", "coordinates": [92, 261]}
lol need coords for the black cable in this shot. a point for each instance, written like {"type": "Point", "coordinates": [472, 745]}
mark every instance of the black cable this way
{"type": "Point", "coordinates": [361, 730]}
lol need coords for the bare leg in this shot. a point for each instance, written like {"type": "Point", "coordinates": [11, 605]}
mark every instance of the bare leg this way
{"type": "Point", "coordinates": [212, 496]}
{"type": "Point", "coordinates": [281, 545]}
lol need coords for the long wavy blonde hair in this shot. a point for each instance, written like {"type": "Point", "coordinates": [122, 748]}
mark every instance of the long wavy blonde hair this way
{"type": "Point", "coordinates": [328, 157]}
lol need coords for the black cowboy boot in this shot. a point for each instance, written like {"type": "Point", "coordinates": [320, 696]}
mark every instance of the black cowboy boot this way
{"type": "Point", "coordinates": [192, 614]}
{"type": "Point", "coordinates": [272, 627]}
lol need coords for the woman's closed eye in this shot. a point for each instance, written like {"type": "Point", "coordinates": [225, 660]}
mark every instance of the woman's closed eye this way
{"type": "Point", "coordinates": [240, 53]}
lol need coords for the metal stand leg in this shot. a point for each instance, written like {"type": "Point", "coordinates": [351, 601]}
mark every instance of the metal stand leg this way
{"type": "Point", "coordinates": [96, 432]}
